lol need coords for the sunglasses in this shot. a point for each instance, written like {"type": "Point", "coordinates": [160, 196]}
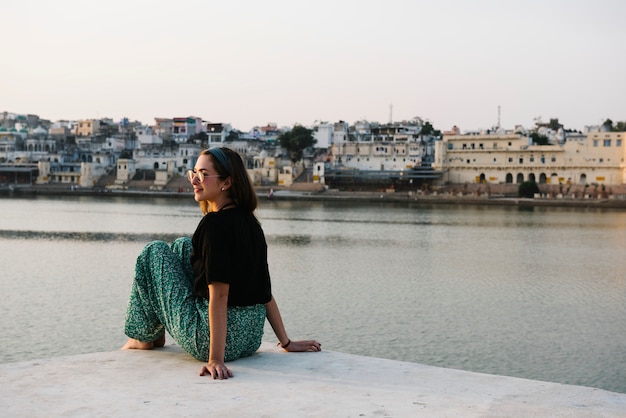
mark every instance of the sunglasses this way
{"type": "Point", "coordinates": [191, 174]}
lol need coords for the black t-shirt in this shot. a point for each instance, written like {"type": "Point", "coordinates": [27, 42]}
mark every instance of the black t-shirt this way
{"type": "Point", "coordinates": [229, 246]}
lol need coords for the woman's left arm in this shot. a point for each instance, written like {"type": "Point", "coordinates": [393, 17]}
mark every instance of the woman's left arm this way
{"type": "Point", "coordinates": [276, 321]}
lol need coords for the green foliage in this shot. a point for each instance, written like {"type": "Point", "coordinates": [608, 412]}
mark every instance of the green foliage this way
{"type": "Point", "coordinates": [428, 129]}
{"type": "Point", "coordinates": [614, 127]}
{"type": "Point", "coordinates": [555, 125]}
{"type": "Point", "coordinates": [528, 189]}
{"type": "Point", "coordinates": [296, 141]}
{"type": "Point", "coordinates": [539, 139]}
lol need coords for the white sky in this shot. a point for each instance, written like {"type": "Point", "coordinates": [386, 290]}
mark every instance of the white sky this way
{"type": "Point", "coordinates": [452, 62]}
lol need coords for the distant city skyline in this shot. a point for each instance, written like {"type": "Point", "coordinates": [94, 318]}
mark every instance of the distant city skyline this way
{"type": "Point", "coordinates": [450, 62]}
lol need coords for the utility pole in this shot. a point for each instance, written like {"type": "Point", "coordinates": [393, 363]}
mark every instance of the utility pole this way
{"type": "Point", "coordinates": [498, 116]}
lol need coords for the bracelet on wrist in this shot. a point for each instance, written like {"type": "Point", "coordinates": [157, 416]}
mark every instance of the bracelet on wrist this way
{"type": "Point", "coordinates": [284, 346]}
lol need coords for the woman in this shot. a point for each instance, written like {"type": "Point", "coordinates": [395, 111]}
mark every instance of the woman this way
{"type": "Point", "coordinates": [222, 270]}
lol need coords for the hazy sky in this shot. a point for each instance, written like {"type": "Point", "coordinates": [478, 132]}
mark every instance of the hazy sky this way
{"type": "Point", "coordinates": [452, 62]}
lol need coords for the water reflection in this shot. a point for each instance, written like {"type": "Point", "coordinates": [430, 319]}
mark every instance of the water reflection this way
{"type": "Point", "coordinates": [297, 240]}
{"type": "Point", "coordinates": [85, 236]}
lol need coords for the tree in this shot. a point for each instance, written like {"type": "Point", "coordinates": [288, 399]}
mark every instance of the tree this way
{"type": "Point", "coordinates": [555, 125]}
{"type": "Point", "coordinates": [417, 121]}
{"type": "Point", "coordinates": [539, 139]}
{"type": "Point", "coordinates": [428, 129]}
{"type": "Point", "coordinates": [296, 141]}
{"type": "Point", "coordinates": [528, 189]}
{"type": "Point", "coordinates": [620, 126]}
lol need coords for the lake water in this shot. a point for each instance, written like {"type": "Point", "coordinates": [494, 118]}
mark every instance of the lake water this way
{"type": "Point", "coordinates": [537, 293]}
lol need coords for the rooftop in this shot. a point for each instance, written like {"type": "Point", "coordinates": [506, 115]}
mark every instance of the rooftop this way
{"type": "Point", "coordinates": [272, 383]}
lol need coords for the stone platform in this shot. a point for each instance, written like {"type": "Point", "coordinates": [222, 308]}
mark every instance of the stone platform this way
{"type": "Point", "coordinates": [272, 383]}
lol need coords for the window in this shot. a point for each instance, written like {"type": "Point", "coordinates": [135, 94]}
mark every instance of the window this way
{"type": "Point", "coordinates": [607, 142]}
{"type": "Point", "coordinates": [510, 159]}
{"type": "Point", "coordinates": [532, 159]}
{"type": "Point", "coordinates": [595, 142]}
{"type": "Point", "coordinates": [553, 159]}
{"type": "Point", "coordinates": [521, 160]}
{"type": "Point", "coordinates": [618, 142]}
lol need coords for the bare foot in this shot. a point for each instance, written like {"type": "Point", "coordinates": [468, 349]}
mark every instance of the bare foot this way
{"type": "Point", "coordinates": [133, 344]}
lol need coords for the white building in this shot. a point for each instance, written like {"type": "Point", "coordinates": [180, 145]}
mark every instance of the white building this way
{"type": "Point", "coordinates": [323, 134]}
{"type": "Point", "coordinates": [146, 137]}
{"type": "Point", "coordinates": [393, 147]}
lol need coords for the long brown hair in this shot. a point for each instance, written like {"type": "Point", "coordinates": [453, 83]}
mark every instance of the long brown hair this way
{"type": "Point", "coordinates": [241, 191]}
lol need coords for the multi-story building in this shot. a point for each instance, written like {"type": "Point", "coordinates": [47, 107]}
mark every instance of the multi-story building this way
{"type": "Point", "coordinates": [10, 142]}
{"type": "Point", "coordinates": [217, 132]}
{"type": "Point", "coordinates": [39, 145]}
{"type": "Point", "coordinates": [184, 128]}
{"type": "Point", "coordinates": [163, 127]}
{"type": "Point", "coordinates": [597, 158]}
{"type": "Point", "coordinates": [60, 130]}
{"type": "Point", "coordinates": [88, 127]}
{"type": "Point", "coordinates": [323, 134]}
{"type": "Point", "coordinates": [146, 137]}
{"type": "Point", "coordinates": [393, 147]}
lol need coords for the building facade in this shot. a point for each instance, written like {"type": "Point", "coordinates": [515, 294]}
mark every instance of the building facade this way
{"type": "Point", "coordinates": [597, 158]}
{"type": "Point", "coordinates": [394, 147]}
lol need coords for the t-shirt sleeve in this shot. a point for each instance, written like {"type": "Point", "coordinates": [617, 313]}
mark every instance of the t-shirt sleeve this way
{"type": "Point", "coordinates": [217, 253]}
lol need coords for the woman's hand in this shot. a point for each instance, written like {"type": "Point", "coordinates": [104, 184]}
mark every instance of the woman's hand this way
{"type": "Point", "coordinates": [217, 370]}
{"type": "Point", "coordinates": [303, 345]}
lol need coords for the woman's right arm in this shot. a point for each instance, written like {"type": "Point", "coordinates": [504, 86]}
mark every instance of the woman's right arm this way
{"type": "Point", "coordinates": [218, 305]}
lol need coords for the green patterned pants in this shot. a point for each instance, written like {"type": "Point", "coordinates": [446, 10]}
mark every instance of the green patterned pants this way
{"type": "Point", "coordinates": [162, 299]}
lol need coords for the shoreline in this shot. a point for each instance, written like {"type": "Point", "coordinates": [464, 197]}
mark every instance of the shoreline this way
{"type": "Point", "coordinates": [311, 192]}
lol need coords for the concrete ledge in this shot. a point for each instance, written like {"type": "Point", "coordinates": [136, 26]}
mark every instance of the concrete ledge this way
{"type": "Point", "coordinates": [165, 382]}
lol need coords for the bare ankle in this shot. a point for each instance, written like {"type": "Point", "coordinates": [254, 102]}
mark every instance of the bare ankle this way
{"type": "Point", "coordinates": [159, 342]}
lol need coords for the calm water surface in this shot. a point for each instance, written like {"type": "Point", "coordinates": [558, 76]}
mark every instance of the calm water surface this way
{"type": "Point", "coordinates": [537, 293]}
